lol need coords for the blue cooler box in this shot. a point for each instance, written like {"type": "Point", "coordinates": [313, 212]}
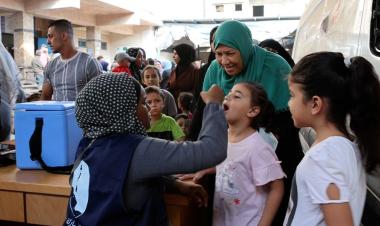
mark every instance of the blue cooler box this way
{"type": "Point", "coordinates": [60, 132]}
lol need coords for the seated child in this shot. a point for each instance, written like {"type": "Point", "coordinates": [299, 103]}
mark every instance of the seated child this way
{"type": "Point", "coordinates": [161, 125]}
{"type": "Point", "coordinates": [185, 103]}
{"type": "Point", "coordinates": [184, 122]}
{"type": "Point", "coordinates": [117, 176]}
{"type": "Point", "coordinates": [123, 60]}
{"type": "Point", "coordinates": [151, 77]}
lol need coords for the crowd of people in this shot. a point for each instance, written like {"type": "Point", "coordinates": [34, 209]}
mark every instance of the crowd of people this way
{"type": "Point", "coordinates": [231, 126]}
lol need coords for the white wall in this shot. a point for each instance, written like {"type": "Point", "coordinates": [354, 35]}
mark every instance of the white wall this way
{"type": "Point", "coordinates": [175, 9]}
{"type": "Point", "coordinates": [107, 53]}
{"type": "Point", "coordinates": [229, 9]}
{"type": "Point", "coordinates": [143, 38]}
{"type": "Point", "coordinates": [9, 24]}
{"type": "Point", "coordinates": [277, 8]}
{"type": "Point", "coordinates": [272, 8]}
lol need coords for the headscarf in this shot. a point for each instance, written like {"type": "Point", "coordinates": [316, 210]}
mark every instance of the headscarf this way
{"type": "Point", "coordinates": [280, 50]}
{"type": "Point", "coordinates": [187, 56]}
{"type": "Point", "coordinates": [133, 52]}
{"type": "Point", "coordinates": [107, 105]}
{"type": "Point", "coordinates": [266, 68]}
{"type": "Point", "coordinates": [135, 69]}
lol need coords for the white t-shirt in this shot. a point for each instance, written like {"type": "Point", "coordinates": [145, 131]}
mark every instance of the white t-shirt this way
{"type": "Point", "coordinates": [334, 160]}
{"type": "Point", "coordinates": [239, 195]}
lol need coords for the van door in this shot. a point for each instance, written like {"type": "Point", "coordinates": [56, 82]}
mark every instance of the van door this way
{"type": "Point", "coordinates": [330, 25]}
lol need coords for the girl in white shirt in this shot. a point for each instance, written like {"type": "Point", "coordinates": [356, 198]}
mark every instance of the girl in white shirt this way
{"type": "Point", "coordinates": [329, 92]}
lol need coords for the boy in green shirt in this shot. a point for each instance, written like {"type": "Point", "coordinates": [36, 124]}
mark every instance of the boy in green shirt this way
{"type": "Point", "coordinates": [161, 125]}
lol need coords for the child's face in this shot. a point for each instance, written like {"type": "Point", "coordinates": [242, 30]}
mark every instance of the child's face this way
{"type": "Point", "coordinates": [237, 105]}
{"type": "Point", "coordinates": [142, 111]}
{"type": "Point", "coordinates": [299, 108]}
{"type": "Point", "coordinates": [155, 103]}
{"type": "Point", "coordinates": [151, 78]}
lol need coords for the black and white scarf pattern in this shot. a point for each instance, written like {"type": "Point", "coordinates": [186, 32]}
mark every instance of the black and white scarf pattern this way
{"type": "Point", "coordinates": [107, 105]}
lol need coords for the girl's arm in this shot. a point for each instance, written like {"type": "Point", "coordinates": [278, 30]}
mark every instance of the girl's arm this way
{"type": "Point", "coordinates": [336, 214]}
{"type": "Point", "coordinates": [275, 193]}
{"type": "Point", "coordinates": [197, 177]}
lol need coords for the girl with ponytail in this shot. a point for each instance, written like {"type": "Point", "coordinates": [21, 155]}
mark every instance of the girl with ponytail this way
{"type": "Point", "coordinates": [340, 99]}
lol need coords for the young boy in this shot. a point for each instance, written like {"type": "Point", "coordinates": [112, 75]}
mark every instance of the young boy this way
{"type": "Point", "coordinates": [123, 60]}
{"type": "Point", "coordinates": [151, 77]}
{"type": "Point", "coordinates": [161, 125]}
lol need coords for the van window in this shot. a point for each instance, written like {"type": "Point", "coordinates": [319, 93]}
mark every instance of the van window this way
{"type": "Point", "coordinates": [375, 28]}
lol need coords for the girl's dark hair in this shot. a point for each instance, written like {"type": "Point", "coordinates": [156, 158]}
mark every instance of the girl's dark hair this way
{"type": "Point", "coordinates": [352, 89]}
{"type": "Point", "coordinates": [259, 98]}
{"type": "Point", "coordinates": [186, 100]}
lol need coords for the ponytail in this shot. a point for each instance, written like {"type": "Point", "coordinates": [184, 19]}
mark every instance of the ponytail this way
{"type": "Point", "coordinates": [260, 98]}
{"type": "Point", "coordinates": [365, 110]}
{"type": "Point", "coordinates": [265, 119]}
{"type": "Point", "coordinates": [352, 89]}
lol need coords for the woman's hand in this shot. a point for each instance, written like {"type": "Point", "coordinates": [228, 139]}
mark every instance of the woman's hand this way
{"type": "Point", "coordinates": [183, 177]}
{"type": "Point", "coordinates": [214, 95]}
{"type": "Point", "coordinates": [194, 192]}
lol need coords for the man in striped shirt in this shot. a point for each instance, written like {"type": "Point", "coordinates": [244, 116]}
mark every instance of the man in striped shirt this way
{"type": "Point", "coordinates": [66, 75]}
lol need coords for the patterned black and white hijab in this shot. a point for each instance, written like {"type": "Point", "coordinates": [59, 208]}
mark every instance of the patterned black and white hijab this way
{"type": "Point", "coordinates": [107, 105]}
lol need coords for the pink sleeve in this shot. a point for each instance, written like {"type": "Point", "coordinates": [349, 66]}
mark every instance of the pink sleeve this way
{"type": "Point", "coordinates": [265, 166]}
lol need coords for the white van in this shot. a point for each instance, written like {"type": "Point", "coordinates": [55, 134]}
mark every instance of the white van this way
{"type": "Point", "coordinates": [348, 26]}
{"type": "Point", "coordinates": [351, 27]}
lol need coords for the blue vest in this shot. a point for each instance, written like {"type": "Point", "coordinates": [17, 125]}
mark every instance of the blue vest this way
{"type": "Point", "coordinates": [97, 194]}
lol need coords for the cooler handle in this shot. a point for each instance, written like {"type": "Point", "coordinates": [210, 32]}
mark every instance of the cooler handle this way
{"type": "Point", "coordinates": [35, 147]}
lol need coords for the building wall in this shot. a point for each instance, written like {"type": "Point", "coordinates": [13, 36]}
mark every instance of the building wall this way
{"type": "Point", "coordinates": [80, 33]}
{"type": "Point", "coordinates": [272, 8]}
{"type": "Point", "coordinates": [41, 26]}
{"type": "Point", "coordinates": [206, 9]}
{"type": "Point", "coordinates": [177, 9]}
{"type": "Point", "coordinates": [275, 8]}
{"type": "Point", "coordinates": [143, 38]}
{"type": "Point", "coordinates": [229, 9]}
{"type": "Point", "coordinates": [8, 24]}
